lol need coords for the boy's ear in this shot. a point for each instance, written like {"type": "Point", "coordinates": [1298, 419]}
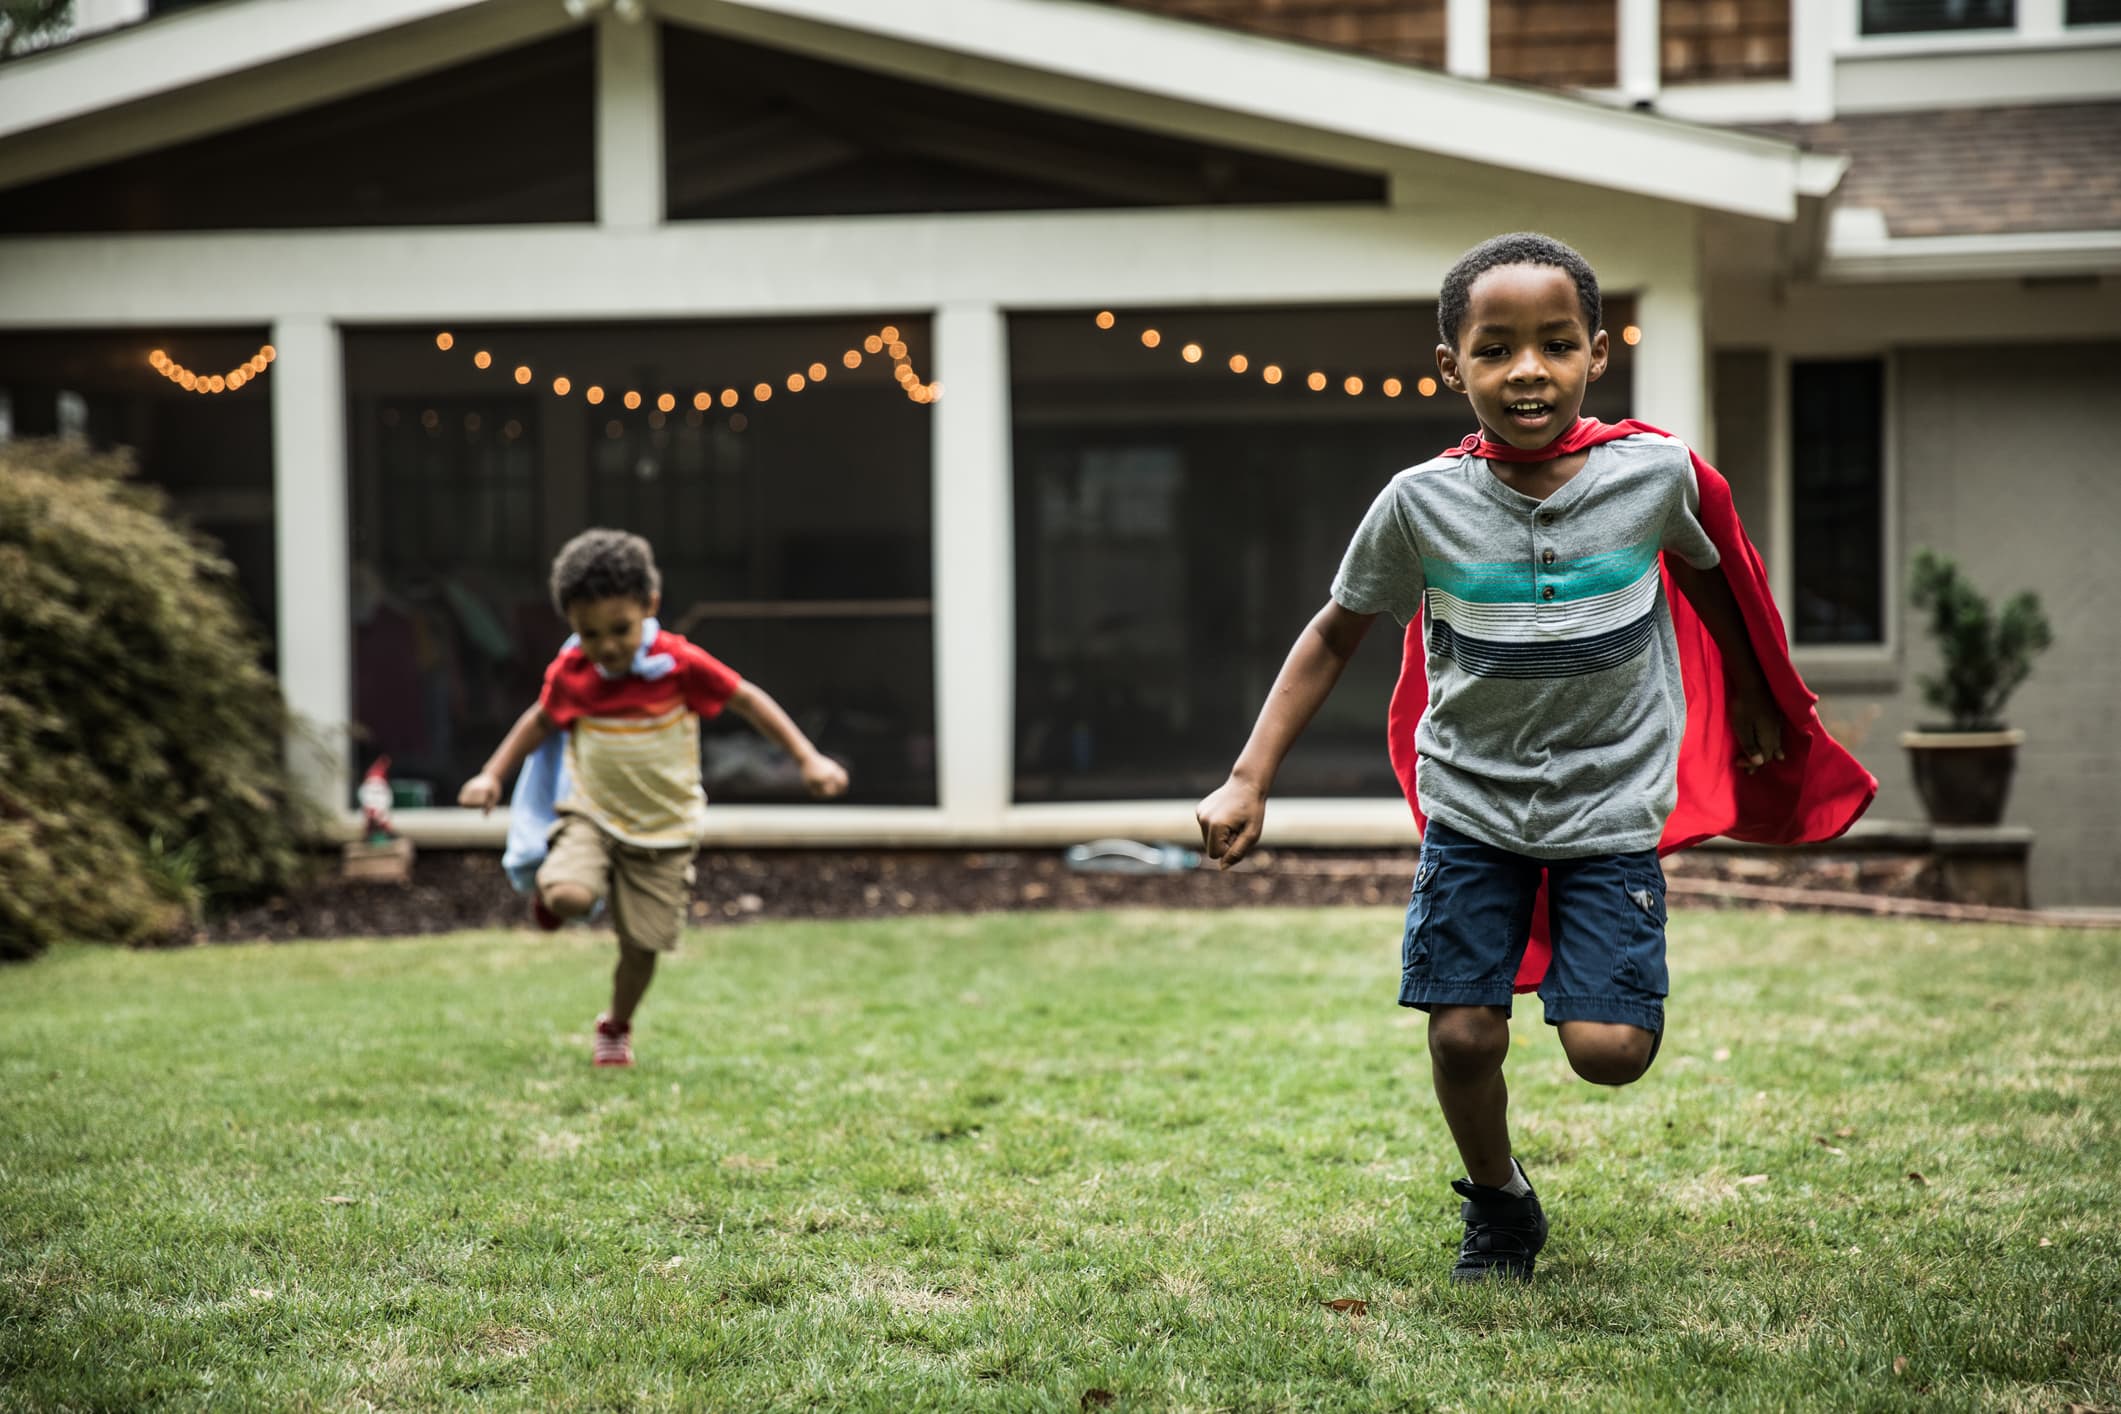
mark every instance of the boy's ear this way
{"type": "Point", "coordinates": [1447, 365]}
{"type": "Point", "coordinates": [1601, 354]}
{"type": "Point", "coordinates": [655, 604]}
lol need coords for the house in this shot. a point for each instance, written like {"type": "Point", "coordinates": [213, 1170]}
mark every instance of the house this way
{"type": "Point", "coordinates": [999, 379]}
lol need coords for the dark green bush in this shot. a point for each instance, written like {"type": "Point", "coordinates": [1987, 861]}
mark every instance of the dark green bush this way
{"type": "Point", "coordinates": [140, 738]}
{"type": "Point", "coordinates": [1987, 656]}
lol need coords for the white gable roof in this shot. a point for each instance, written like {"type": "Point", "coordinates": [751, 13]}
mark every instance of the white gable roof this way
{"type": "Point", "coordinates": [1120, 65]}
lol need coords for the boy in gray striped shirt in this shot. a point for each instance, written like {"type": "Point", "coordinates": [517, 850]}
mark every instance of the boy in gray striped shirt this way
{"type": "Point", "coordinates": [1550, 743]}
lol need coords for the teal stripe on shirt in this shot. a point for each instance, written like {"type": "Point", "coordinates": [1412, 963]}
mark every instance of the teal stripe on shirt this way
{"type": "Point", "coordinates": [1508, 582]}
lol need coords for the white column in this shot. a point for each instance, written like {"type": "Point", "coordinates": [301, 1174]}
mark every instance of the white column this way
{"type": "Point", "coordinates": [1640, 56]}
{"type": "Point", "coordinates": [1465, 38]}
{"type": "Point", "coordinates": [310, 528]}
{"type": "Point", "coordinates": [1671, 363]}
{"type": "Point", "coordinates": [2040, 19]}
{"type": "Point", "coordinates": [975, 537]}
{"type": "Point", "coordinates": [94, 16]}
{"type": "Point", "coordinates": [1812, 39]}
{"type": "Point", "coordinates": [629, 123]}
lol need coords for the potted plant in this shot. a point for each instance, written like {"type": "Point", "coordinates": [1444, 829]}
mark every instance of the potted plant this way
{"type": "Point", "coordinates": [1963, 767]}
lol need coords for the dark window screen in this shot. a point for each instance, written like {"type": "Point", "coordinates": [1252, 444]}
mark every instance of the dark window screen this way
{"type": "Point", "coordinates": [792, 535]}
{"type": "Point", "coordinates": [2093, 12]}
{"type": "Point", "coordinates": [761, 132]}
{"type": "Point", "coordinates": [211, 452]}
{"type": "Point", "coordinates": [1930, 16]}
{"type": "Point", "coordinates": [1837, 463]}
{"type": "Point", "coordinates": [1177, 524]}
{"type": "Point", "coordinates": [501, 140]}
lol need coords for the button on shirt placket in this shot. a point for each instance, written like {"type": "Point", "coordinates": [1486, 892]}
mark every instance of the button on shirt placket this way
{"type": "Point", "coordinates": [1544, 520]}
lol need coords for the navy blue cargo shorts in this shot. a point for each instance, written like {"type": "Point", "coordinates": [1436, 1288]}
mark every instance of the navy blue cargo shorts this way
{"type": "Point", "coordinates": [1471, 912]}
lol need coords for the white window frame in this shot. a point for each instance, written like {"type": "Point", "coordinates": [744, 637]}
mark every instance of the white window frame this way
{"type": "Point", "coordinates": [1836, 664]}
{"type": "Point", "coordinates": [2040, 25]}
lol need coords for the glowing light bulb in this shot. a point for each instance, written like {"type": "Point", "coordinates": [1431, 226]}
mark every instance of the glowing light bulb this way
{"type": "Point", "coordinates": [522, 374]}
{"type": "Point", "coordinates": [666, 403]}
{"type": "Point", "coordinates": [935, 390]}
{"type": "Point", "coordinates": [873, 344]}
{"type": "Point", "coordinates": [1105, 319]}
{"type": "Point", "coordinates": [1426, 387]}
{"type": "Point", "coordinates": [729, 397]}
{"type": "Point", "coordinates": [482, 359]}
{"type": "Point", "coordinates": [1316, 382]}
{"type": "Point", "coordinates": [445, 340]}
{"type": "Point", "coordinates": [818, 372]}
{"type": "Point", "coordinates": [1631, 335]}
{"type": "Point", "coordinates": [188, 381]}
{"type": "Point", "coordinates": [595, 395]}
{"type": "Point", "coordinates": [268, 353]}
{"type": "Point", "coordinates": [795, 382]}
{"type": "Point", "coordinates": [1190, 353]}
{"type": "Point", "coordinates": [561, 386]}
{"type": "Point", "coordinates": [1150, 338]}
{"type": "Point", "coordinates": [157, 359]}
{"type": "Point", "coordinates": [632, 399]}
{"type": "Point", "coordinates": [762, 393]}
{"type": "Point", "coordinates": [889, 333]}
{"type": "Point", "coordinates": [1271, 373]}
{"type": "Point", "coordinates": [1352, 386]}
{"type": "Point", "coordinates": [216, 383]}
{"type": "Point", "coordinates": [852, 358]}
{"type": "Point", "coordinates": [1391, 387]}
{"type": "Point", "coordinates": [703, 401]}
{"type": "Point", "coordinates": [898, 348]}
{"type": "Point", "coordinates": [1239, 363]}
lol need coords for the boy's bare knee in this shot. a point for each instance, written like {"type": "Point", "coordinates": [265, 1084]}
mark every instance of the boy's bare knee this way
{"type": "Point", "coordinates": [569, 900]}
{"type": "Point", "coordinates": [1468, 1042]}
{"type": "Point", "coordinates": [1608, 1053]}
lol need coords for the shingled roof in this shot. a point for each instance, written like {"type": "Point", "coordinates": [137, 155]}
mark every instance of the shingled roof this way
{"type": "Point", "coordinates": [1979, 171]}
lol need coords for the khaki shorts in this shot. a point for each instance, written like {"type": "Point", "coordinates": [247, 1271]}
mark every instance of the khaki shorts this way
{"type": "Point", "coordinates": [647, 888]}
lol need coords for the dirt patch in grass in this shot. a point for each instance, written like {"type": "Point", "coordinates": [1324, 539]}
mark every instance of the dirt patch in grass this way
{"type": "Point", "coordinates": [462, 889]}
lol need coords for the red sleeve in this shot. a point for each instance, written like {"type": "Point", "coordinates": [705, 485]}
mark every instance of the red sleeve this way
{"type": "Point", "coordinates": [707, 682]}
{"type": "Point", "coordinates": [556, 698]}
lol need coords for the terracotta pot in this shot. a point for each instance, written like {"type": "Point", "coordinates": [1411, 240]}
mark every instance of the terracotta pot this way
{"type": "Point", "coordinates": [1963, 777]}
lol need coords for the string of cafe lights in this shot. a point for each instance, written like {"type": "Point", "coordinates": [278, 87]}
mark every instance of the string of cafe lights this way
{"type": "Point", "coordinates": [1317, 380]}
{"type": "Point", "coordinates": [883, 343]}
{"type": "Point", "coordinates": [192, 381]}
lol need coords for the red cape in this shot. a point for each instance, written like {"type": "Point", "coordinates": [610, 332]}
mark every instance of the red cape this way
{"type": "Point", "coordinates": [1815, 792]}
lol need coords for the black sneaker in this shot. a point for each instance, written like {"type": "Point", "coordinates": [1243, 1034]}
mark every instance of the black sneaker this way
{"type": "Point", "coordinates": [1503, 1233]}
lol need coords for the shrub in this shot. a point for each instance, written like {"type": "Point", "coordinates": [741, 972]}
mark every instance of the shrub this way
{"type": "Point", "coordinates": [140, 736]}
{"type": "Point", "coordinates": [1986, 655]}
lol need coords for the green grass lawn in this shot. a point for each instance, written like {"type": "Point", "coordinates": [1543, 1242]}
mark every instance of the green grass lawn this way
{"type": "Point", "coordinates": [1010, 1162]}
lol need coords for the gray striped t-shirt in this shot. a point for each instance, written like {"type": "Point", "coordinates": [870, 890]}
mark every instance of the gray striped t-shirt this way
{"type": "Point", "coordinates": [1555, 707]}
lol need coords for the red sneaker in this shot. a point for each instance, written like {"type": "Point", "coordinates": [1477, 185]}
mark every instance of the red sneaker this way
{"type": "Point", "coordinates": [544, 917]}
{"type": "Point", "coordinates": [613, 1044]}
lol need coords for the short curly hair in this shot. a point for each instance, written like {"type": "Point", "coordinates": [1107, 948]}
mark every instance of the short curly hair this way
{"type": "Point", "coordinates": [604, 564]}
{"type": "Point", "coordinates": [1517, 248]}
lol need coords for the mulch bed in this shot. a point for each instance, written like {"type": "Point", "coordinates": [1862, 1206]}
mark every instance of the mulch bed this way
{"type": "Point", "coordinates": [459, 889]}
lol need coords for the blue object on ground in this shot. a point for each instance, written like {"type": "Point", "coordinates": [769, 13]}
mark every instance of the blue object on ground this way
{"type": "Point", "coordinates": [1131, 857]}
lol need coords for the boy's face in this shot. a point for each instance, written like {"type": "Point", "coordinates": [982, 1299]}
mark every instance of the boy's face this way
{"type": "Point", "coordinates": [610, 630]}
{"type": "Point", "coordinates": [1524, 356]}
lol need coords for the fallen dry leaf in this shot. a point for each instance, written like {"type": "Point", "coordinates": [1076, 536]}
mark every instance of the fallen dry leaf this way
{"type": "Point", "coordinates": [339, 1198]}
{"type": "Point", "coordinates": [263, 1293]}
{"type": "Point", "coordinates": [1351, 1305]}
{"type": "Point", "coordinates": [673, 1264]}
{"type": "Point", "coordinates": [1899, 1364]}
{"type": "Point", "coordinates": [1754, 1178]}
{"type": "Point", "coordinates": [2046, 1242]}
{"type": "Point", "coordinates": [1830, 1147]}
{"type": "Point", "coordinates": [1847, 1131]}
{"type": "Point", "coordinates": [1098, 1399]}
{"type": "Point", "coordinates": [1917, 1179]}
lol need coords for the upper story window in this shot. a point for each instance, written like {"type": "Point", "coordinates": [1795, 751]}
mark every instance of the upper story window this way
{"type": "Point", "coordinates": [1937, 16]}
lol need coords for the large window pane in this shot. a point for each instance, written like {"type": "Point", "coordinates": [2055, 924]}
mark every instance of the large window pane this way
{"type": "Point", "coordinates": [1837, 476]}
{"type": "Point", "coordinates": [1178, 523]}
{"type": "Point", "coordinates": [211, 452]}
{"type": "Point", "coordinates": [1926, 16]}
{"type": "Point", "coordinates": [793, 534]}
{"type": "Point", "coordinates": [2093, 12]}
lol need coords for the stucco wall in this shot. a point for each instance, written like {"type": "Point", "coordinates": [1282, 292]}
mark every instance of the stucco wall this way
{"type": "Point", "coordinates": [2004, 465]}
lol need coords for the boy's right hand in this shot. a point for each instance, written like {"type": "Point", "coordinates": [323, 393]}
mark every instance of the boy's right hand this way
{"type": "Point", "coordinates": [1230, 821]}
{"type": "Point", "coordinates": [482, 792]}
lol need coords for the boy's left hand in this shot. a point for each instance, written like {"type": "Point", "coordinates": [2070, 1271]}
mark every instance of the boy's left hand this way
{"type": "Point", "coordinates": [1758, 726]}
{"type": "Point", "coordinates": [824, 777]}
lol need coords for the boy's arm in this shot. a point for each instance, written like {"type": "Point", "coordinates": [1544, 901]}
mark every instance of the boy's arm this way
{"type": "Point", "coordinates": [1753, 714]}
{"type": "Point", "coordinates": [483, 791]}
{"type": "Point", "coordinates": [1231, 818]}
{"type": "Point", "coordinates": [822, 776]}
